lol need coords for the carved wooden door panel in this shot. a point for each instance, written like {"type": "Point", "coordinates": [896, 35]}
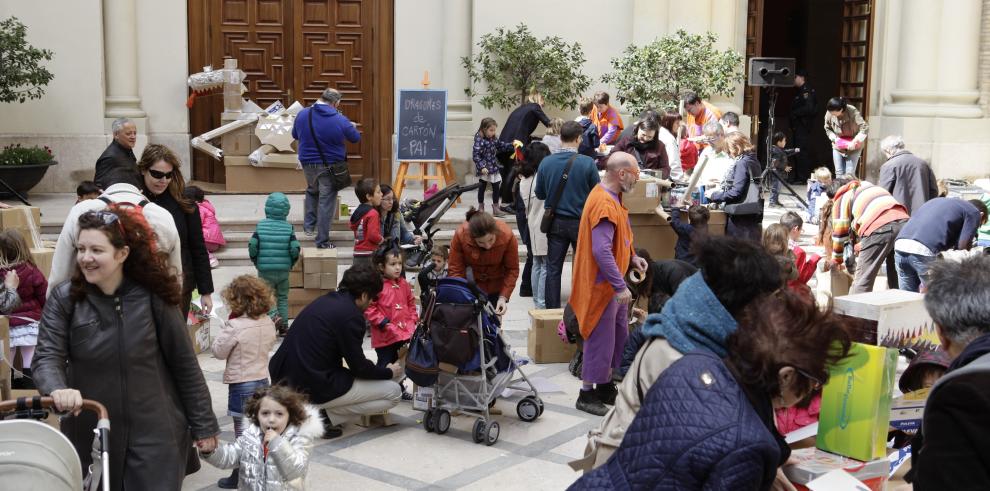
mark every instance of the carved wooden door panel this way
{"type": "Point", "coordinates": [333, 46]}
{"type": "Point", "coordinates": [857, 31]}
{"type": "Point", "coordinates": [754, 48]}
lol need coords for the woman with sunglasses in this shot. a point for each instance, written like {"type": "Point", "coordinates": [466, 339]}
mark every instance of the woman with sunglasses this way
{"type": "Point", "coordinates": [707, 423]}
{"type": "Point", "coordinates": [114, 334]}
{"type": "Point", "coordinates": [163, 185]}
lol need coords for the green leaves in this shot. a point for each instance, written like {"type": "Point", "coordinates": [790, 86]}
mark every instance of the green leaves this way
{"type": "Point", "coordinates": [21, 76]}
{"type": "Point", "coordinates": [18, 155]}
{"type": "Point", "coordinates": [511, 63]}
{"type": "Point", "coordinates": [655, 75]}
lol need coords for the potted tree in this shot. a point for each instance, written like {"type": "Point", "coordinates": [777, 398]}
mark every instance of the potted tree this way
{"type": "Point", "coordinates": [22, 78]}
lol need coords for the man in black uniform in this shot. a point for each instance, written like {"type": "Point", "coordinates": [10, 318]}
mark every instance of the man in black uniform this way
{"type": "Point", "coordinates": [804, 108]}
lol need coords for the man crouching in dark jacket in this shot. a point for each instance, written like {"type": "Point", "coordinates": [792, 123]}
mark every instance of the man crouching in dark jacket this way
{"type": "Point", "coordinates": [951, 451]}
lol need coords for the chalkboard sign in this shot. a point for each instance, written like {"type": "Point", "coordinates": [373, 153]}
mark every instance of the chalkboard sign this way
{"type": "Point", "coordinates": [422, 129]}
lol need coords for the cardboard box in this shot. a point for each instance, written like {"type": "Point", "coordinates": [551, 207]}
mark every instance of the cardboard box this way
{"type": "Point", "coordinates": [645, 196]}
{"type": "Point", "coordinates": [199, 334]}
{"type": "Point", "coordinates": [43, 259]}
{"type": "Point", "coordinates": [654, 234]}
{"type": "Point", "coordinates": [296, 277]}
{"type": "Point", "coordinates": [899, 316]}
{"type": "Point", "coordinates": [907, 411]}
{"type": "Point", "coordinates": [320, 281]}
{"type": "Point", "coordinates": [813, 463]}
{"type": "Point", "coordinates": [281, 160]}
{"type": "Point", "coordinates": [236, 161]}
{"type": "Point", "coordinates": [544, 345]}
{"type": "Point", "coordinates": [298, 266]}
{"type": "Point", "coordinates": [299, 298]}
{"type": "Point", "coordinates": [18, 217]}
{"type": "Point", "coordinates": [856, 400]}
{"type": "Point", "coordinates": [320, 261]}
{"type": "Point", "coordinates": [240, 142]}
{"type": "Point", "coordinates": [422, 397]}
{"type": "Point", "coordinates": [52, 419]}
{"type": "Point", "coordinates": [252, 179]}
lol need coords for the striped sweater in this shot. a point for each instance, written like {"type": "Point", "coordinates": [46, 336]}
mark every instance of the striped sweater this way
{"type": "Point", "coordinates": [860, 208]}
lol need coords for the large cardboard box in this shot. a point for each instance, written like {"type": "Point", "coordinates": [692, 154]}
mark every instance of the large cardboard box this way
{"type": "Point", "coordinates": [655, 234]}
{"type": "Point", "coordinates": [20, 217]}
{"type": "Point", "coordinates": [812, 463]}
{"type": "Point", "coordinates": [296, 277]}
{"type": "Point", "coordinates": [645, 196]}
{"type": "Point", "coordinates": [240, 142]}
{"type": "Point", "coordinates": [544, 345]}
{"type": "Point", "coordinates": [317, 261]}
{"type": "Point", "coordinates": [43, 257]}
{"type": "Point", "coordinates": [235, 161]}
{"type": "Point", "coordinates": [856, 400]}
{"type": "Point", "coordinates": [299, 298]}
{"type": "Point", "coordinates": [252, 179]}
{"type": "Point", "coordinates": [320, 281]}
{"type": "Point", "coordinates": [280, 160]}
{"type": "Point", "coordinates": [899, 316]}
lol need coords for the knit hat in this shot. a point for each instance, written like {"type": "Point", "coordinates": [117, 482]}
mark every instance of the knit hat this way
{"type": "Point", "coordinates": [937, 358]}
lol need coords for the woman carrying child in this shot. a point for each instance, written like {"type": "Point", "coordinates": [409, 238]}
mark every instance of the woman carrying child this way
{"type": "Point", "coordinates": [392, 315]}
{"type": "Point", "coordinates": [273, 452]}
{"type": "Point", "coordinates": [484, 154]}
{"type": "Point", "coordinates": [245, 342]}
{"type": "Point", "coordinates": [24, 277]}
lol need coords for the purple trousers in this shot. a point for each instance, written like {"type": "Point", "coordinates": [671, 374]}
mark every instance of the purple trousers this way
{"type": "Point", "coordinates": [603, 350]}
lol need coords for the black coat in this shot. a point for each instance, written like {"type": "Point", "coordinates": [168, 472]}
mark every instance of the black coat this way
{"type": "Point", "coordinates": [804, 108]}
{"type": "Point", "coordinates": [114, 157]}
{"type": "Point", "coordinates": [522, 122]}
{"type": "Point", "coordinates": [195, 258]}
{"type": "Point", "coordinates": [329, 331]}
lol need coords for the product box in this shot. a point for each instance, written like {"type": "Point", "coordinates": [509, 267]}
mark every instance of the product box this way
{"type": "Point", "coordinates": [645, 196]}
{"type": "Point", "coordinates": [250, 179]}
{"type": "Point", "coordinates": [813, 463]}
{"type": "Point", "coordinates": [43, 257]}
{"type": "Point", "coordinates": [199, 334]}
{"type": "Point", "coordinates": [856, 400]}
{"type": "Point", "coordinates": [899, 316]}
{"type": "Point", "coordinates": [422, 397]}
{"type": "Point", "coordinates": [299, 298]}
{"type": "Point", "coordinates": [907, 411]}
{"type": "Point", "coordinates": [544, 345]}
{"type": "Point", "coordinates": [296, 277]}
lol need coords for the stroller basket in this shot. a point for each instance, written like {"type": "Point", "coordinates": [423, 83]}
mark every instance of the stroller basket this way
{"type": "Point", "coordinates": [37, 456]}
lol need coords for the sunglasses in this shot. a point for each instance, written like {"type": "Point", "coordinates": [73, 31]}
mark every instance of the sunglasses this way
{"type": "Point", "coordinates": [108, 218]}
{"type": "Point", "coordinates": [157, 174]}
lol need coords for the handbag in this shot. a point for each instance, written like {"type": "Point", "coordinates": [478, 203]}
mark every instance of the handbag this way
{"type": "Point", "coordinates": [548, 213]}
{"type": "Point", "coordinates": [455, 337]}
{"type": "Point", "coordinates": [340, 175]}
{"type": "Point", "coordinates": [421, 360]}
{"type": "Point", "coordinates": [752, 203]}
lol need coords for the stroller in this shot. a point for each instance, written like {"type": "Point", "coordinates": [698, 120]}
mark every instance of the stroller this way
{"type": "Point", "coordinates": [466, 333]}
{"type": "Point", "coordinates": [37, 456]}
{"type": "Point", "coordinates": [425, 216]}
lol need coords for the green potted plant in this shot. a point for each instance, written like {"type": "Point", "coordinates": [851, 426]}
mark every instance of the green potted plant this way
{"type": "Point", "coordinates": [22, 77]}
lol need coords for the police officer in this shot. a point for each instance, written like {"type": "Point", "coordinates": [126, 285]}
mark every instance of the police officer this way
{"type": "Point", "coordinates": [804, 108]}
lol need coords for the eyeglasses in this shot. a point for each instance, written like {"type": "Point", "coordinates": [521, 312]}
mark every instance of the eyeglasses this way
{"type": "Point", "coordinates": [157, 174]}
{"type": "Point", "coordinates": [817, 383]}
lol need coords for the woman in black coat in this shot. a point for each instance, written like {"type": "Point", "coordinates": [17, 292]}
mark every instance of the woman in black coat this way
{"type": "Point", "coordinates": [520, 124]}
{"type": "Point", "coordinates": [735, 187]}
{"type": "Point", "coordinates": [163, 185]}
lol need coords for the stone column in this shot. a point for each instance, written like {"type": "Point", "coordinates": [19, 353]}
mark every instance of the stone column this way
{"type": "Point", "coordinates": [120, 59]}
{"type": "Point", "coordinates": [937, 71]}
{"type": "Point", "coordinates": [456, 45]}
{"type": "Point", "coordinates": [985, 59]}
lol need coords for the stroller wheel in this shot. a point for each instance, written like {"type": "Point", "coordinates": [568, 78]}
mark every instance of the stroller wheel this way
{"type": "Point", "coordinates": [539, 402]}
{"type": "Point", "coordinates": [428, 421]}
{"type": "Point", "coordinates": [527, 409]}
{"type": "Point", "coordinates": [441, 421]}
{"type": "Point", "coordinates": [491, 433]}
{"type": "Point", "coordinates": [478, 432]}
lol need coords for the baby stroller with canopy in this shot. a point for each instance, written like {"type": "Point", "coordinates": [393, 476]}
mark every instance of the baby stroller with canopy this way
{"type": "Point", "coordinates": [466, 333]}
{"type": "Point", "coordinates": [33, 455]}
{"type": "Point", "coordinates": [425, 216]}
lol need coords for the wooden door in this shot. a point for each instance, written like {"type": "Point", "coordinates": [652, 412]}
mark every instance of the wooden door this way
{"type": "Point", "coordinates": [857, 33]}
{"type": "Point", "coordinates": [754, 48]}
{"type": "Point", "coordinates": [291, 50]}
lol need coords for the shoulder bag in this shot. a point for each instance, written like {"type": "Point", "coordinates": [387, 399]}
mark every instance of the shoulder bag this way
{"type": "Point", "coordinates": [548, 213]}
{"type": "Point", "coordinates": [752, 202]}
{"type": "Point", "coordinates": [340, 176]}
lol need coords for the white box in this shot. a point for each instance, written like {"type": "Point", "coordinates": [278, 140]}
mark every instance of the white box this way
{"type": "Point", "coordinates": [900, 317]}
{"type": "Point", "coordinates": [422, 398]}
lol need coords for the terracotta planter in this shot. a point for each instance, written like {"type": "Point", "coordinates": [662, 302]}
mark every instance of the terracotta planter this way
{"type": "Point", "coordinates": [22, 177]}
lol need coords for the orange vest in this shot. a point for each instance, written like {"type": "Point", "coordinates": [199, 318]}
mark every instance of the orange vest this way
{"type": "Point", "coordinates": [588, 298]}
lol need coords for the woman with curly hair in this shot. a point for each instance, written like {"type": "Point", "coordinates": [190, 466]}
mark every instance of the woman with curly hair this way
{"type": "Point", "coordinates": [114, 333]}
{"type": "Point", "coordinates": [161, 177]}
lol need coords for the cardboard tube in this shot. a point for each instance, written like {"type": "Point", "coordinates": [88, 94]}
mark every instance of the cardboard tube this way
{"type": "Point", "coordinates": [636, 276]}
{"type": "Point", "coordinates": [662, 214]}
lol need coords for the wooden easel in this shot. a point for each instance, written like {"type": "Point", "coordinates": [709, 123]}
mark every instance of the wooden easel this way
{"type": "Point", "coordinates": [444, 173]}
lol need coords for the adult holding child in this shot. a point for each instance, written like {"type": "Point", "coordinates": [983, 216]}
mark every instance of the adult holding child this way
{"type": "Point", "coordinates": [164, 185]}
{"type": "Point", "coordinates": [115, 334]}
{"type": "Point", "coordinates": [484, 250]}
{"type": "Point", "coordinates": [740, 190]}
{"type": "Point", "coordinates": [599, 295]}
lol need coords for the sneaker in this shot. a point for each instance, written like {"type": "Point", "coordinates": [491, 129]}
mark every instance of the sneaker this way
{"type": "Point", "coordinates": [589, 402]}
{"type": "Point", "coordinates": [406, 396]}
{"type": "Point", "coordinates": [309, 233]}
{"type": "Point", "coordinates": [508, 209]}
{"type": "Point", "coordinates": [326, 246]}
{"type": "Point", "coordinates": [607, 393]}
{"type": "Point", "coordinates": [497, 212]}
{"type": "Point", "coordinates": [330, 430]}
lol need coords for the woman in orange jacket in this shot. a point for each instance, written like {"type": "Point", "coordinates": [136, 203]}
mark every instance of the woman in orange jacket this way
{"type": "Point", "coordinates": [485, 251]}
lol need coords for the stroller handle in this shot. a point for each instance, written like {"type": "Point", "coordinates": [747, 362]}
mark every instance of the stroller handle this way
{"type": "Point", "coordinates": [49, 403]}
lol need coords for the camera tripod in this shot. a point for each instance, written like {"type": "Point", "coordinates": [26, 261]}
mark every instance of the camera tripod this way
{"type": "Point", "coordinates": [769, 170]}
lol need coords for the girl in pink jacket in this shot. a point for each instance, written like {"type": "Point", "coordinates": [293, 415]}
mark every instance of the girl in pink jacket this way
{"type": "Point", "coordinates": [212, 235]}
{"type": "Point", "coordinates": [392, 315]}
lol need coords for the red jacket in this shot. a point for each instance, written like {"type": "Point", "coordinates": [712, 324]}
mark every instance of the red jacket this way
{"type": "Point", "coordinates": [495, 270]}
{"type": "Point", "coordinates": [806, 266]}
{"type": "Point", "coordinates": [367, 228]}
{"type": "Point", "coordinates": [392, 315]}
{"type": "Point", "coordinates": [32, 292]}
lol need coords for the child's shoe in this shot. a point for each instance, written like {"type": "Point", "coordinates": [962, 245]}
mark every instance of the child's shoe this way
{"type": "Point", "coordinates": [214, 262]}
{"type": "Point", "coordinates": [229, 482]}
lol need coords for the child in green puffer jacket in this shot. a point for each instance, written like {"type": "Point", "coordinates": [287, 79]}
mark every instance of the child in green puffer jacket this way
{"type": "Point", "coordinates": [274, 250]}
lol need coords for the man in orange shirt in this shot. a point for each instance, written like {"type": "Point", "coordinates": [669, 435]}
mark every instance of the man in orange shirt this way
{"type": "Point", "coordinates": [699, 113]}
{"type": "Point", "coordinates": [599, 296]}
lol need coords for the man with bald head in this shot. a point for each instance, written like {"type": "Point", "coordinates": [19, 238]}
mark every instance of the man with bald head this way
{"type": "Point", "coordinates": [599, 296]}
{"type": "Point", "coordinates": [119, 155]}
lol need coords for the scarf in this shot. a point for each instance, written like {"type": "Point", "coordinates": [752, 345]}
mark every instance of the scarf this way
{"type": "Point", "coordinates": [693, 319]}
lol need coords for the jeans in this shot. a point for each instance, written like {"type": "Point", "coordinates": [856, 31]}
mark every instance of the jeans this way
{"type": "Point", "coordinates": [911, 269]}
{"type": "Point", "coordinates": [320, 203]}
{"type": "Point", "coordinates": [563, 234]}
{"type": "Point", "coordinates": [239, 393]}
{"type": "Point", "coordinates": [846, 164]}
{"type": "Point", "coordinates": [539, 280]}
{"type": "Point", "coordinates": [774, 188]}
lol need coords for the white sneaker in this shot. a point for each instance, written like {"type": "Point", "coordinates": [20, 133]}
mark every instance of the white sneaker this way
{"type": "Point", "coordinates": [310, 233]}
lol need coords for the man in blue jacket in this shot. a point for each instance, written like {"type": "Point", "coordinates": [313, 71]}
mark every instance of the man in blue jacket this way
{"type": "Point", "coordinates": [939, 225]}
{"type": "Point", "coordinates": [321, 131]}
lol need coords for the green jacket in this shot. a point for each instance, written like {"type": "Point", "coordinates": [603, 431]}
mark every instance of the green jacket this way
{"type": "Point", "coordinates": [274, 247]}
